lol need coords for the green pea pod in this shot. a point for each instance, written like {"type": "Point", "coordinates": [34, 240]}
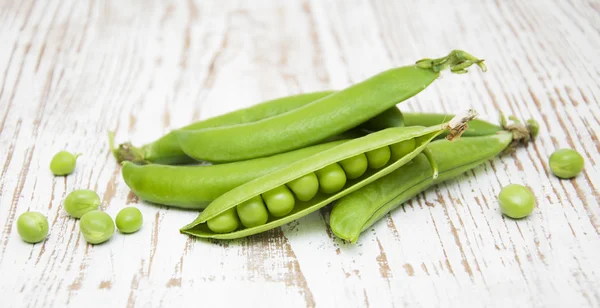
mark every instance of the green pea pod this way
{"type": "Point", "coordinates": [357, 211]}
{"type": "Point", "coordinates": [322, 118]}
{"type": "Point", "coordinates": [193, 187]}
{"type": "Point", "coordinates": [476, 127]}
{"type": "Point", "coordinates": [219, 220]}
{"type": "Point", "coordinates": [166, 149]}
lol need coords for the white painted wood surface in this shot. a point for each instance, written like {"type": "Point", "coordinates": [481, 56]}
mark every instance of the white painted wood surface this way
{"type": "Point", "coordinates": [72, 70]}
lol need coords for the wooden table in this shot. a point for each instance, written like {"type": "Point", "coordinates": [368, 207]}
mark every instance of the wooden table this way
{"type": "Point", "coordinates": [72, 70]}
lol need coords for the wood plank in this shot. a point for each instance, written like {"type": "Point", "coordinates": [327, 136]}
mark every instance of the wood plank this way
{"type": "Point", "coordinates": [70, 71]}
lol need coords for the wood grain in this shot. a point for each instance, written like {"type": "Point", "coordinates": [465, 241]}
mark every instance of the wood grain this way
{"type": "Point", "coordinates": [70, 71]}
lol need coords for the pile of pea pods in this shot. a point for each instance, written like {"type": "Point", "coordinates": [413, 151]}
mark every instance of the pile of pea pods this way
{"type": "Point", "coordinates": [283, 159]}
{"type": "Point", "coordinates": [258, 168]}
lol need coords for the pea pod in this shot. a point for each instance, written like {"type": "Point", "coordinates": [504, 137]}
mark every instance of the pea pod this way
{"type": "Point", "coordinates": [166, 149]}
{"type": "Point", "coordinates": [218, 219]}
{"type": "Point", "coordinates": [193, 187]}
{"type": "Point", "coordinates": [322, 118]}
{"type": "Point", "coordinates": [357, 211]}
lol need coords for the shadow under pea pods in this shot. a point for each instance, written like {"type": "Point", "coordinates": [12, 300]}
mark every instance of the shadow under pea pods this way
{"type": "Point", "coordinates": [311, 183]}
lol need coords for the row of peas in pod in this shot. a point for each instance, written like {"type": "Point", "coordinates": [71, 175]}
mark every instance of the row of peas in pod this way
{"type": "Point", "coordinates": [280, 201]}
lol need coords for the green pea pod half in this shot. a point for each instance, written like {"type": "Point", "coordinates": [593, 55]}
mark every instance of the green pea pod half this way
{"type": "Point", "coordinates": [323, 118]}
{"type": "Point", "coordinates": [311, 183]}
{"type": "Point", "coordinates": [476, 127]}
{"type": "Point", "coordinates": [194, 187]}
{"type": "Point", "coordinates": [357, 211]}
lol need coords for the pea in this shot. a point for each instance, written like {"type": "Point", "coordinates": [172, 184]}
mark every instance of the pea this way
{"type": "Point", "coordinates": [306, 187]}
{"type": "Point", "coordinates": [129, 220]}
{"type": "Point", "coordinates": [331, 178]}
{"type": "Point", "coordinates": [32, 227]}
{"type": "Point", "coordinates": [566, 163]}
{"type": "Point", "coordinates": [516, 201]}
{"type": "Point", "coordinates": [96, 226]}
{"type": "Point", "coordinates": [253, 212]}
{"type": "Point", "coordinates": [63, 163]}
{"type": "Point", "coordinates": [355, 166]}
{"type": "Point", "coordinates": [81, 201]}
{"type": "Point", "coordinates": [225, 222]}
{"type": "Point", "coordinates": [379, 157]}
{"type": "Point", "coordinates": [279, 200]}
{"type": "Point", "coordinates": [400, 149]}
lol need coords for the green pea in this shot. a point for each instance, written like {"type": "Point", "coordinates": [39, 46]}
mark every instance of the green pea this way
{"type": "Point", "coordinates": [331, 178]}
{"type": "Point", "coordinates": [379, 157]}
{"type": "Point", "coordinates": [305, 187]}
{"type": "Point", "coordinates": [516, 201]}
{"type": "Point", "coordinates": [63, 163]}
{"type": "Point", "coordinates": [279, 200]}
{"type": "Point", "coordinates": [32, 227]}
{"type": "Point", "coordinates": [225, 222]}
{"type": "Point", "coordinates": [96, 226]}
{"type": "Point", "coordinates": [400, 149]}
{"type": "Point", "coordinates": [129, 220]}
{"type": "Point", "coordinates": [566, 163]}
{"type": "Point", "coordinates": [253, 212]}
{"type": "Point", "coordinates": [81, 201]}
{"type": "Point", "coordinates": [355, 166]}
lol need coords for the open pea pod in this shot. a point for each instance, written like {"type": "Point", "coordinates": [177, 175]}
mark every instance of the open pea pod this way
{"type": "Point", "coordinates": [358, 211]}
{"type": "Point", "coordinates": [311, 183]}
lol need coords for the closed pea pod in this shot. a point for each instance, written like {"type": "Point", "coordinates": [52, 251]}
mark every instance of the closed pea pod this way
{"type": "Point", "coordinates": [166, 150]}
{"type": "Point", "coordinates": [322, 118]}
{"type": "Point", "coordinates": [193, 187]}
{"type": "Point", "coordinates": [357, 211]}
{"type": "Point", "coordinates": [264, 185]}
